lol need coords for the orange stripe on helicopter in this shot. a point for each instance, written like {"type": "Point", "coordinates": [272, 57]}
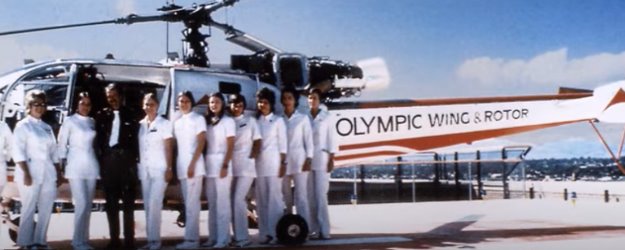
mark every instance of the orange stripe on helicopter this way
{"type": "Point", "coordinates": [438, 141]}
{"type": "Point", "coordinates": [619, 97]}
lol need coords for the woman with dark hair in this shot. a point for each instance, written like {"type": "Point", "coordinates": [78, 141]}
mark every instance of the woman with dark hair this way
{"type": "Point", "coordinates": [246, 146]}
{"type": "Point", "coordinates": [220, 132]}
{"type": "Point", "coordinates": [155, 166]}
{"type": "Point", "coordinates": [76, 147]}
{"type": "Point", "coordinates": [326, 145]}
{"type": "Point", "coordinates": [38, 172]}
{"type": "Point", "coordinates": [299, 157]}
{"type": "Point", "coordinates": [190, 134]}
{"type": "Point", "coordinates": [270, 166]}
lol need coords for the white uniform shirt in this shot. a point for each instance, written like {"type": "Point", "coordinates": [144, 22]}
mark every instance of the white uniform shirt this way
{"type": "Point", "coordinates": [6, 140]}
{"type": "Point", "coordinates": [152, 136]}
{"type": "Point", "coordinates": [324, 136]}
{"type": "Point", "coordinates": [76, 145]}
{"type": "Point", "coordinates": [217, 146]}
{"type": "Point", "coordinates": [186, 129]}
{"type": "Point", "coordinates": [273, 131]}
{"type": "Point", "coordinates": [247, 132]}
{"type": "Point", "coordinates": [35, 144]}
{"type": "Point", "coordinates": [300, 142]}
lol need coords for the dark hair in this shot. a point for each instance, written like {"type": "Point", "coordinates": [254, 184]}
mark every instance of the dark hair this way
{"type": "Point", "coordinates": [212, 118]}
{"type": "Point", "coordinates": [314, 91]}
{"type": "Point", "coordinates": [152, 97]}
{"type": "Point", "coordinates": [293, 92]}
{"type": "Point", "coordinates": [113, 86]}
{"type": "Point", "coordinates": [187, 94]}
{"type": "Point", "coordinates": [237, 98]}
{"type": "Point", "coordinates": [268, 95]}
{"type": "Point", "coordinates": [79, 96]}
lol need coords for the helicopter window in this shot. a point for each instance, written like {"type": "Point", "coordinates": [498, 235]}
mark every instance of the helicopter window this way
{"type": "Point", "coordinates": [50, 74]}
{"type": "Point", "coordinates": [228, 88]}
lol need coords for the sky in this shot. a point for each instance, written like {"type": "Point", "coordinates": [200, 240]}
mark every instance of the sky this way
{"type": "Point", "coordinates": [433, 48]}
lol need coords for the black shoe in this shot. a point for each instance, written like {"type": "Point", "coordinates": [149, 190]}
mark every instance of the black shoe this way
{"type": "Point", "coordinates": [129, 244]}
{"type": "Point", "coordinates": [114, 244]}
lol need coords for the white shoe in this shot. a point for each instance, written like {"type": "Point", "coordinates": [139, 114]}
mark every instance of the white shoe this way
{"type": "Point", "coordinates": [208, 244]}
{"type": "Point", "coordinates": [220, 245]}
{"type": "Point", "coordinates": [188, 245]}
{"type": "Point", "coordinates": [241, 243]}
{"type": "Point", "coordinates": [146, 246]}
{"type": "Point", "coordinates": [155, 246]}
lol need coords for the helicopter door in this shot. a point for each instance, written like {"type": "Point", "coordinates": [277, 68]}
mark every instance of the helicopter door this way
{"type": "Point", "coordinates": [56, 81]}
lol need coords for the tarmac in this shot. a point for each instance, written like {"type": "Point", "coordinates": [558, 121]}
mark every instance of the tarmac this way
{"type": "Point", "coordinates": [480, 224]}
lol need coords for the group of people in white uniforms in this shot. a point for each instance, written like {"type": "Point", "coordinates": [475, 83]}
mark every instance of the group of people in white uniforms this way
{"type": "Point", "coordinates": [239, 149]}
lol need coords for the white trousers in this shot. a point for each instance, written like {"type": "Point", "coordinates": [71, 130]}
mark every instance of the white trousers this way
{"type": "Point", "coordinates": [191, 192]}
{"type": "Point", "coordinates": [83, 191]}
{"type": "Point", "coordinates": [219, 214]}
{"type": "Point", "coordinates": [300, 181]}
{"type": "Point", "coordinates": [153, 192]}
{"type": "Point", "coordinates": [270, 205]}
{"type": "Point", "coordinates": [318, 186]}
{"type": "Point", "coordinates": [240, 187]}
{"type": "Point", "coordinates": [35, 197]}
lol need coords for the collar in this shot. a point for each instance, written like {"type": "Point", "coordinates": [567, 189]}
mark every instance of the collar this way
{"type": "Point", "coordinates": [81, 117]}
{"type": "Point", "coordinates": [267, 117]}
{"type": "Point", "coordinates": [33, 119]}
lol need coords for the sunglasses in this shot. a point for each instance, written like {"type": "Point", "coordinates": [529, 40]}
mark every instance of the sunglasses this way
{"type": "Point", "coordinates": [38, 104]}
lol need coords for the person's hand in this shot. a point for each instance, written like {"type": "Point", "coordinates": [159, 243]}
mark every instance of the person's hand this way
{"type": "Point", "coordinates": [223, 172]}
{"type": "Point", "coordinates": [28, 180]}
{"type": "Point", "coordinates": [190, 171]}
{"type": "Point", "coordinates": [169, 175]}
{"type": "Point", "coordinates": [282, 170]}
{"type": "Point", "coordinates": [307, 164]}
{"type": "Point", "coordinates": [330, 165]}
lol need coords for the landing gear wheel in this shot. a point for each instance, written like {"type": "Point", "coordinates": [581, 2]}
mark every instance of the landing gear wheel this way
{"type": "Point", "coordinates": [292, 230]}
{"type": "Point", "coordinates": [180, 221]}
{"type": "Point", "coordinates": [12, 232]}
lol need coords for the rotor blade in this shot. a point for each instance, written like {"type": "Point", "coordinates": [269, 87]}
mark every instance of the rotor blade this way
{"type": "Point", "coordinates": [243, 39]}
{"type": "Point", "coordinates": [130, 19]}
{"type": "Point", "coordinates": [54, 27]}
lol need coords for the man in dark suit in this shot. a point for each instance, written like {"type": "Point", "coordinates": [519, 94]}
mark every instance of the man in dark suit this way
{"type": "Point", "coordinates": [117, 148]}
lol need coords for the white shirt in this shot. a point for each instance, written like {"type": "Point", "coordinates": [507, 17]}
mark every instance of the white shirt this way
{"type": "Point", "coordinates": [324, 136]}
{"type": "Point", "coordinates": [152, 136]}
{"type": "Point", "coordinates": [114, 138]}
{"type": "Point", "coordinates": [300, 142]}
{"type": "Point", "coordinates": [6, 140]}
{"type": "Point", "coordinates": [273, 131]}
{"type": "Point", "coordinates": [217, 145]}
{"type": "Point", "coordinates": [186, 129]}
{"type": "Point", "coordinates": [35, 144]}
{"type": "Point", "coordinates": [76, 145]}
{"type": "Point", "coordinates": [247, 132]}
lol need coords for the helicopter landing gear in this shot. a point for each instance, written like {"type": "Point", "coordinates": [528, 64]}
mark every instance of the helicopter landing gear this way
{"type": "Point", "coordinates": [180, 221]}
{"type": "Point", "coordinates": [292, 230]}
{"type": "Point", "coordinates": [12, 224]}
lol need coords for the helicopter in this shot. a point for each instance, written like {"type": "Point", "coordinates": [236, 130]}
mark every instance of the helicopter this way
{"type": "Point", "coordinates": [368, 131]}
{"type": "Point", "coordinates": [266, 67]}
